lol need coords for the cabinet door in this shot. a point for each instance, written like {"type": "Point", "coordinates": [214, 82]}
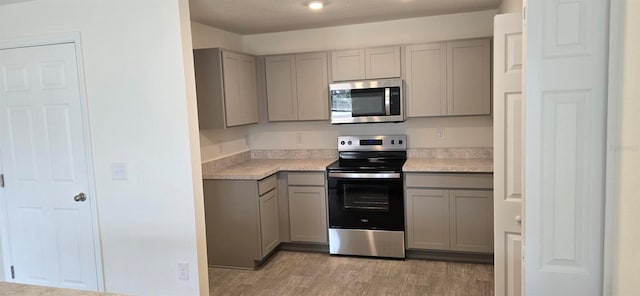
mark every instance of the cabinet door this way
{"type": "Point", "coordinates": [232, 100]}
{"type": "Point", "coordinates": [312, 86]}
{"type": "Point", "coordinates": [469, 77]}
{"type": "Point", "coordinates": [347, 65]}
{"type": "Point", "coordinates": [471, 220]}
{"type": "Point", "coordinates": [269, 222]}
{"type": "Point", "coordinates": [382, 62]}
{"type": "Point", "coordinates": [308, 214]}
{"type": "Point", "coordinates": [426, 79]}
{"type": "Point", "coordinates": [248, 89]}
{"type": "Point", "coordinates": [240, 89]}
{"type": "Point", "coordinates": [427, 219]}
{"type": "Point", "coordinates": [281, 87]}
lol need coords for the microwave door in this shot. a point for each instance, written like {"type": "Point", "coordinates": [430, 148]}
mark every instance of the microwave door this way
{"type": "Point", "coordinates": [368, 102]}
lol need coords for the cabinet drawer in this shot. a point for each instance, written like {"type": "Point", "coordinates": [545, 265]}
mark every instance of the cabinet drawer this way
{"type": "Point", "coordinates": [310, 178]}
{"type": "Point", "coordinates": [267, 184]}
{"type": "Point", "coordinates": [449, 180]}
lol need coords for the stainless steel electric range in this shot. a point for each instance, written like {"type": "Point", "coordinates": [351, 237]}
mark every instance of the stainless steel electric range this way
{"type": "Point", "coordinates": [366, 196]}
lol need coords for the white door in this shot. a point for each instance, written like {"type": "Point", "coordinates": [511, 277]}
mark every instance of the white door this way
{"type": "Point", "coordinates": [565, 98]}
{"type": "Point", "coordinates": [507, 148]}
{"type": "Point", "coordinates": [45, 168]}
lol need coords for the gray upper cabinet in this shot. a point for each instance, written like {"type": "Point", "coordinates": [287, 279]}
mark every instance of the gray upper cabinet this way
{"type": "Point", "coordinates": [448, 78]}
{"type": "Point", "coordinates": [226, 85]}
{"type": "Point", "coordinates": [370, 63]}
{"type": "Point", "coordinates": [382, 62]}
{"type": "Point", "coordinates": [347, 65]}
{"type": "Point", "coordinates": [297, 87]}
{"type": "Point", "coordinates": [469, 77]}
{"type": "Point", "coordinates": [426, 79]}
{"type": "Point", "coordinates": [280, 74]}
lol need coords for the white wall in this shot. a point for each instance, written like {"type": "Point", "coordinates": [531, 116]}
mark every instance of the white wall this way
{"type": "Point", "coordinates": [414, 30]}
{"type": "Point", "coordinates": [218, 143]}
{"type": "Point", "coordinates": [510, 6]}
{"type": "Point", "coordinates": [627, 257]}
{"type": "Point", "coordinates": [141, 105]}
{"type": "Point", "coordinates": [209, 37]}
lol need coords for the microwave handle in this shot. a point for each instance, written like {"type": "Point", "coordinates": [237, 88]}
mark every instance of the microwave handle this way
{"type": "Point", "coordinates": [387, 101]}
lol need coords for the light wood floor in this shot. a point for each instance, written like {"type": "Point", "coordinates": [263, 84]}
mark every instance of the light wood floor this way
{"type": "Point", "coordinates": [298, 273]}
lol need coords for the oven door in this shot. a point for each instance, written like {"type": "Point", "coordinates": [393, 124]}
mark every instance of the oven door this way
{"type": "Point", "coordinates": [366, 200]}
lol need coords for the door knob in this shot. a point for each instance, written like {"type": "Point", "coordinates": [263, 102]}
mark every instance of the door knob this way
{"type": "Point", "coordinates": [80, 197]}
{"type": "Point", "coordinates": [518, 219]}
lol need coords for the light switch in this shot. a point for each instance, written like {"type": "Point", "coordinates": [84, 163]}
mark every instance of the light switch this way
{"type": "Point", "coordinates": [119, 171]}
{"type": "Point", "coordinates": [183, 271]}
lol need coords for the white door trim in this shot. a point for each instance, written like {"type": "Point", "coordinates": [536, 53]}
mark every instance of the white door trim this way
{"type": "Point", "coordinates": [616, 25]}
{"type": "Point", "coordinates": [91, 192]}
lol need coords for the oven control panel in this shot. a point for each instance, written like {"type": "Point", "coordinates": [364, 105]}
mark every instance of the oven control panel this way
{"type": "Point", "coordinates": [372, 143]}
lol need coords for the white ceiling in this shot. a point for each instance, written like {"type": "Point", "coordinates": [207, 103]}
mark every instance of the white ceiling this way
{"type": "Point", "coordinates": [262, 16]}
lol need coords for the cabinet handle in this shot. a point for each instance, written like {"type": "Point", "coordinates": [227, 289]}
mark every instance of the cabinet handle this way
{"type": "Point", "coordinates": [518, 219]}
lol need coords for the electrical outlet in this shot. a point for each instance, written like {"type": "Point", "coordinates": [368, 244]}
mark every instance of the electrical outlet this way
{"type": "Point", "coordinates": [440, 133]}
{"type": "Point", "coordinates": [183, 271]}
{"type": "Point", "coordinates": [119, 171]}
{"type": "Point", "coordinates": [298, 138]}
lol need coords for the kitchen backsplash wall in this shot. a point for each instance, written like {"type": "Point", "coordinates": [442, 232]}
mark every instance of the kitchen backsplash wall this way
{"type": "Point", "coordinates": [462, 132]}
{"type": "Point", "coordinates": [458, 131]}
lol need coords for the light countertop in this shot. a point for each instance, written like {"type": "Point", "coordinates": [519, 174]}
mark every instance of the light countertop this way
{"type": "Point", "coordinates": [256, 169]}
{"type": "Point", "coordinates": [450, 165]}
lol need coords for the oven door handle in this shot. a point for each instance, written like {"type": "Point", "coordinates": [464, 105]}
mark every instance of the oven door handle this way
{"type": "Point", "coordinates": [364, 175]}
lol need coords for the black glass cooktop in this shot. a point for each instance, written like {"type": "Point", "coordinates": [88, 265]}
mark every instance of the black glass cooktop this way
{"type": "Point", "coordinates": [372, 161]}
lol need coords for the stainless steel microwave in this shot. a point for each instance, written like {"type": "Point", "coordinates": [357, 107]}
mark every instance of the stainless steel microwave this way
{"type": "Point", "coordinates": [367, 101]}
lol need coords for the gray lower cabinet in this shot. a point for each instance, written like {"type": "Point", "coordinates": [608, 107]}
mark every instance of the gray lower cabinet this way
{"type": "Point", "coordinates": [269, 221]}
{"type": "Point", "coordinates": [471, 220]}
{"type": "Point", "coordinates": [450, 212]}
{"type": "Point", "coordinates": [242, 221]}
{"type": "Point", "coordinates": [427, 219]}
{"type": "Point", "coordinates": [307, 207]}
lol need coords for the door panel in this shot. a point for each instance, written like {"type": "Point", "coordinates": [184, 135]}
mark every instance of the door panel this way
{"type": "Point", "coordinates": [427, 219]}
{"type": "Point", "coordinates": [347, 65]}
{"type": "Point", "coordinates": [471, 220]}
{"type": "Point", "coordinates": [508, 139]}
{"type": "Point", "coordinates": [281, 87]}
{"type": "Point", "coordinates": [468, 77]}
{"type": "Point", "coordinates": [232, 96]}
{"type": "Point", "coordinates": [566, 95]}
{"type": "Point", "coordinates": [45, 166]}
{"type": "Point", "coordinates": [248, 90]}
{"type": "Point", "coordinates": [308, 214]}
{"type": "Point", "coordinates": [426, 87]}
{"type": "Point", "coordinates": [313, 94]}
